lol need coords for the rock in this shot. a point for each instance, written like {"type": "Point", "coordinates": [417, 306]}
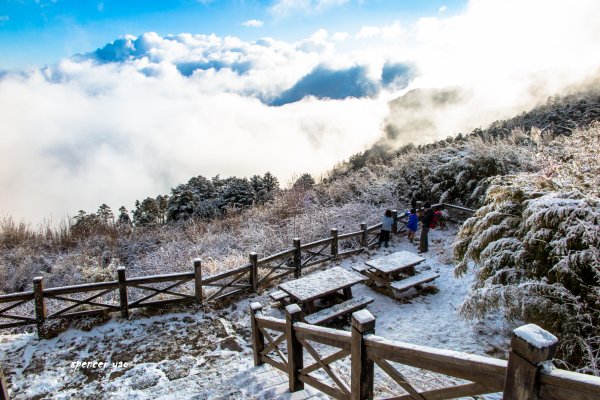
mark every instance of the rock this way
{"type": "Point", "coordinates": [230, 344]}
{"type": "Point", "coordinates": [176, 369]}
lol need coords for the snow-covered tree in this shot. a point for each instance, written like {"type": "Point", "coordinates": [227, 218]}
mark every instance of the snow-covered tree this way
{"type": "Point", "coordinates": [304, 182]}
{"type": "Point", "coordinates": [146, 212]}
{"type": "Point", "coordinates": [535, 245]}
{"type": "Point", "coordinates": [238, 193]}
{"type": "Point", "coordinates": [124, 219]}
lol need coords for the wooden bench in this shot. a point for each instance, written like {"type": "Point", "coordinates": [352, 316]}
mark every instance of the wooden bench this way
{"type": "Point", "coordinates": [338, 310]}
{"type": "Point", "coordinates": [279, 296]}
{"type": "Point", "coordinates": [360, 268]}
{"type": "Point", "coordinates": [416, 280]}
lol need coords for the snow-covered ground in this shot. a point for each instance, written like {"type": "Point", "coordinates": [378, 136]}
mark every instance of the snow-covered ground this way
{"type": "Point", "coordinates": [206, 354]}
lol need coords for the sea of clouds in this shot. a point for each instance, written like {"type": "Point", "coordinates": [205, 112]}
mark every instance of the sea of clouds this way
{"type": "Point", "coordinates": [145, 113]}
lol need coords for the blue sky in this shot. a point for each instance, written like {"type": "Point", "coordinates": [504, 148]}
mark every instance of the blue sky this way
{"type": "Point", "coordinates": [38, 32]}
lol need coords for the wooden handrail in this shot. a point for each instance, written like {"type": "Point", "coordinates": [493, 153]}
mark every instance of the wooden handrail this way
{"type": "Point", "coordinates": [521, 377]}
{"type": "Point", "coordinates": [295, 266]}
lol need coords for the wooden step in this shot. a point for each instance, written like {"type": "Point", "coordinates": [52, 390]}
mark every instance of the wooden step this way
{"type": "Point", "coordinates": [419, 279]}
{"type": "Point", "coordinates": [338, 310]}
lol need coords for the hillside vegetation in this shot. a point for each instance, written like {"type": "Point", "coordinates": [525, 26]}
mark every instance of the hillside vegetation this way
{"type": "Point", "coordinates": [533, 242]}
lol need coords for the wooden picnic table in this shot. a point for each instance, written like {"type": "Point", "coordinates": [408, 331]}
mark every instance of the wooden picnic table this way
{"type": "Point", "coordinates": [307, 290]}
{"type": "Point", "coordinates": [384, 272]}
{"type": "Point", "coordinates": [390, 266]}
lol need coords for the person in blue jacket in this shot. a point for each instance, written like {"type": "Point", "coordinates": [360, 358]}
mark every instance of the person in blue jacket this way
{"type": "Point", "coordinates": [412, 224]}
{"type": "Point", "coordinates": [386, 228]}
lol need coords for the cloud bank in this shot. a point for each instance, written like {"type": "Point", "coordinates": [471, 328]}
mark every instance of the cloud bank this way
{"type": "Point", "coordinates": [144, 113]}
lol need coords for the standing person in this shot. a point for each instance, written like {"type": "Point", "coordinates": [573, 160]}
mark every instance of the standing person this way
{"type": "Point", "coordinates": [412, 224]}
{"type": "Point", "coordinates": [426, 219]}
{"type": "Point", "coordinates": [386, 228]}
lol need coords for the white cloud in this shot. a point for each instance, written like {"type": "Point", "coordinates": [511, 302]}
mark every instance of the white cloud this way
{"type": "Point", "coordinates": [82, 132]}
{"type": "Point", "coordinates": [443, 9]}
{"type": "Point", "coordinates": [284, 8]}
{"type": "Point", "coordinates": [253, 23]}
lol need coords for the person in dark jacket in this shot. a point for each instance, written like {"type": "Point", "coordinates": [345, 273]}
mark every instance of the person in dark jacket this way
{"type": "Point", "coordinates": [426, 219]}
{"type": "Point", "coordinates": [412, 224]}
{"type": "Point", "coordinates": [386, 228]}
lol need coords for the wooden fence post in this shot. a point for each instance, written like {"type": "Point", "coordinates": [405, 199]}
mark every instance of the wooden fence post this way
{"type": "Point", "coordinates": [198, 279]}
{"type": "Point", "coordinates": [123, 292]}
{"type": "Point", "coordinates": [293, 314]}
{"type": "Point", "coordinates": [395, 223]}
{"type": "Point", "coordinates": [258, 339]}
{"type": "Point", "coordinates": [362, 368]}
{"type": "Point", "coordinates": [297, 259]}
{"type": "Point", "coordinates": [334, 243]}
{"type": "Point", "coordinates": [363, 237]}
{"type": "Point", "coordinates": [3, 387]}
{"type": "Point", "coordinates": [40, 305]}
{"type": "Point", "coordinates": [530, 346]}
{"type": "Point", "coordinates": [254, 271]}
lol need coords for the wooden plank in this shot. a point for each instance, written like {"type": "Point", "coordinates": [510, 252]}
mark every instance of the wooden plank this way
{"type": "Point", "coordinates": [15, 305]}
{"type": "Point", "coordinates": [317, 357]}
{"type": "Point", "coordinates": [16, 324]}
{"type": "Point", "coordinates": [395, 262]}
{"type": "Point", "coordinates": [560, 384]}
{"type": "Point", "coordinates": [326, 257]}
{"type": "Point", "coordinates": [273, 257]}
{"type": "Point", "coordinates": [349, 235]}
{"type": "Point", "coordinates": [271, 323]}
{"type": "Point", "coordinates": [399, 379]}
{"type": "Point", "coordinates": [277, 364]}
{"type": "Point", "coordinates": [83, 313]}
{"type": "Point", "coordinates": [6, 298]}
{"type": "Point", "coordinates": [228, 294]}
{"type": "Point", "coordinates": [320, 284]}
{"type": "Point", "coordinates": [338, 310]}
{"type": "Point", "coordinates": [278, 295]}
{"type": "Point", "coordinates": [215, 278]}
{"type": "Point", "coordinates": [484, 370]}
{"type": "Point", "coordinates": [349, 252]}
{"type": "Point", "coordinates": [155, 292]}
{"type": "Point", "coordinates": [158, 303]}
{"type": "Point", "coordinates": [467, 390]}
{"type": "Point", "coordinates": [327, 360]}
{"type": "Point", "coordinates": [182, 276]}
{"type": "Point", "coordinates": [316, 243]}
{"type": "Point", "coordinates": [419, 279]}
{"type": "Point", "coordinates": [373, 228]}
{"type": "Point", "coordinates": [330, 337]}
{"type": "Point", "coordinates": [88, 287]}
{"type": "Point", "coordinates": [359, 268]}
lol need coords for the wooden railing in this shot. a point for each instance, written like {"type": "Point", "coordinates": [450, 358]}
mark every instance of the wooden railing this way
{"type": "Point", "coordinates": [123, 294]}
{"type": "Point", "coordinates": [362, 365]}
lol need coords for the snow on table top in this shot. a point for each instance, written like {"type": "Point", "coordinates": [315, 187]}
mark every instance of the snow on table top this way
{"type": "Point", "coordinates": [321, 283]}
{"type": "Point", "coordinates": [536, 336]}
{"type": "Point", "coordinates": [395, 261]}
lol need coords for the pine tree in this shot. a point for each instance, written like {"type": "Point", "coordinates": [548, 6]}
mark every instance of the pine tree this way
{"type": "Point", "coordinates": [124, 218]}
{"type": "Point", "coordinates": [304, 182]}
{"type": "Point", "coordinates": [238, 193]}
{"type": "Point", "coordinates": [105, 215]}
{"type": "Point", "coordinates": [146, 212]}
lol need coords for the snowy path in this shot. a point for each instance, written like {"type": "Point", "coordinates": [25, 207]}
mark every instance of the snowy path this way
{"type": "Point", "coordinates": [207, 355]}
